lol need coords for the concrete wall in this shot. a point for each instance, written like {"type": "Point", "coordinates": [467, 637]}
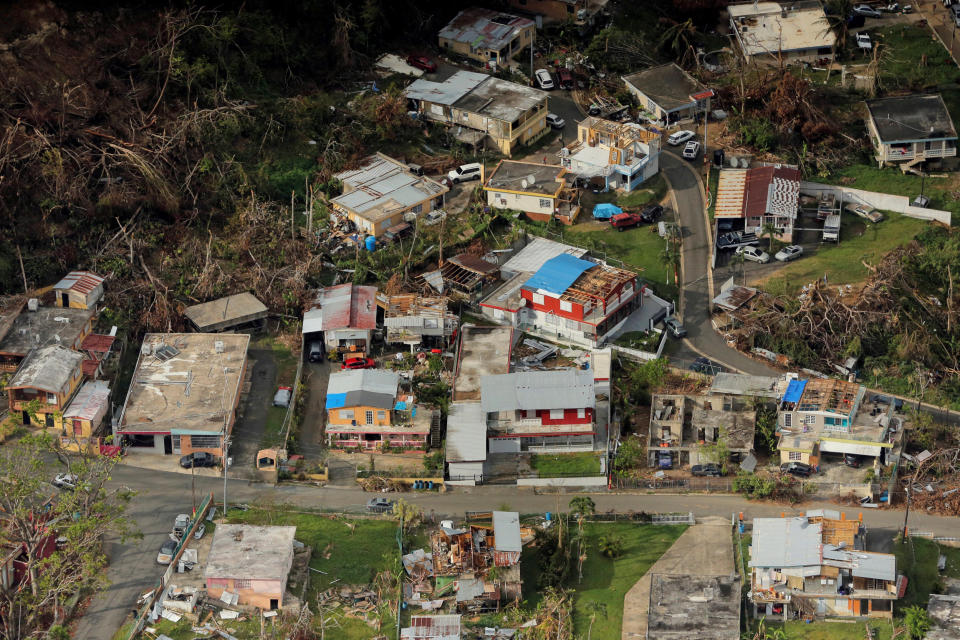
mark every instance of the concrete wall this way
{"type": "Point", "coordinates": [521, 202]}
{"type": "Point", "coordinates": [588, 481]}
{"type": "Point", "coordinates": [885, 201]}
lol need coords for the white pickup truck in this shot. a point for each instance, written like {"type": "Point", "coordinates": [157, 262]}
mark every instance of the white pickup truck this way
{"type": "Point", "coordinates": [863, 41]}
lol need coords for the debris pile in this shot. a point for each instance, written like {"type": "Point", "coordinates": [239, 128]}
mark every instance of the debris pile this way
{"type": "Point", "coordinates": [379, 484]}
{"type": "Point", "coordinates": [942, 500]}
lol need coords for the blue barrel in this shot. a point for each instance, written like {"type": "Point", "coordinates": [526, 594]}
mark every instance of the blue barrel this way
{"type": "Point", "coordinates": [548, 516]}
{"type": "Point", "coordinates": [370, 243]}
{"type": "Point", "coordinates": [430, 484]}
{"type": "Point", "coordinates": [741, 528]}
{"type": "Point", "coordinates": [416, 484]}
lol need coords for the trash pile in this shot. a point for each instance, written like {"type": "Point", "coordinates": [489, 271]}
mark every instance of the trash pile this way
{"type": "Point", "coordinates": [942, 500]}
{"type": "Point", "coordinates": [357, 601]}
{"type": "Point", "coordinates": [379, 484]}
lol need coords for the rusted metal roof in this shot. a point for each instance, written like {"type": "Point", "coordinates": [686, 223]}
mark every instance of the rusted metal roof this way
{"type": "Point", "coordinates": [473, 263]}
{"type": "Point", "coordinates": [344, 306]}
{"type": "Point", "coordinates": [484, 28]}
{"type": "Point", "coordinates": [80, 281]}
{"type": "Point", "coordinates": [735, 297]}
{"type": "Point", "coordinates": [89, 367]}
{"type": "Point", "coordinates": [772, 190]}
{"type": "Point", "coordinates": [89, 401]}
{"type": "Point", "coordinates": [97, 343]}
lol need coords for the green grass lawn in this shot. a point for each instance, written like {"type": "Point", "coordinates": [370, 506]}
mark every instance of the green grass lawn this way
{"type": "Point", "coordinates": [272, 430]}
{"type": "Point", "coordinates": [919, 565]}
{"type": "Point", "coordinates": [284, 358]}
{"type": "Point", "coordinates": [566, 464]}
{"type": "Point", "coordinates": [843, 263]}
{"type": "Point", "coordinates": [891, 180]}
{"type": "Point", "coordinates": [854, 630]}
{"type": "Point", "coordinates": [645, 341]}
{"type": "Point", "coordinates": [913, 59]}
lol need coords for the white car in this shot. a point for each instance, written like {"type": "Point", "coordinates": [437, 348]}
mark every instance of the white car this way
{"type": "Point", "coordinates": [555, 122]}
{"type": "Point", "coordinates": [691, 150]}
{"type": "Point", "coordinates": [65, 481]}
{"type": "Point", "coordinates": [753, 254]}
{"type": "Point", "coordinates": [544, 81]}
{"type": "Point", "coordinates": [865, 212]}
{"type": "Point", "coordinates": [863, 41]}
{"type": "Point", "coordinates": [867, 11]}
{"type": "Point", "coordinates": [679, 137]}
{"type": "Point", "coordinates": [789, 253]}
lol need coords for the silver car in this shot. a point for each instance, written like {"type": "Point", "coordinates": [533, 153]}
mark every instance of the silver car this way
{"type": "Point", "coordinates": [753, 254]}
{"type": "Point", "coordinates": [791, 252]}
{"type": "Point", "coordinates": [865, 212]}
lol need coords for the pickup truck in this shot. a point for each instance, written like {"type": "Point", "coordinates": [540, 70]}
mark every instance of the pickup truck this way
{"type": "Point", "coordinates": [735, 239]}
{"type": "Point", "coordinates": [626, 220]}
{"type": "Point", "coordinates": [863, 41]}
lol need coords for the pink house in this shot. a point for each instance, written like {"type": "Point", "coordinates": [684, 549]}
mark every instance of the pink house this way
{"type": "Point", "coordinates": [251, 562]}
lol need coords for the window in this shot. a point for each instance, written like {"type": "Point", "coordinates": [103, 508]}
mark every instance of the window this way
{"type": "Point", "coordinates": [175, 442]}
{"type": "Point", "coordinates": [795, 456]}
{"type": "Point", "coordinates": [51, 398]}
{"type": "Point", "coordinates": [581, 413]}
{"type": "Point", "coordinates": [788, 419]}
{"type": "Point", "coordinates": [556, 414]}
{"type": "Point", "coordinates": [418, 208]}
{"type": "Point", "coordinates": [808, 420]}
{"type": "Point", "coordinates": [205, 442]}
{"type": "Point", "coordinates": [369, 417]}
{"type": "Point", "coordinates": [566, 305]}
{"type": "Point", "coordinates": [241, 584]}
{"type": "Point", "coordinates": [382, 416]}
{"type": "Point", "coordinates": [538, 298]}
{"type": "Point", "coordinates": [545, 202]}
{"type": "Point", "coordinates": [829, 421]}
{"type": "Point", "coordinates": [346, 414]}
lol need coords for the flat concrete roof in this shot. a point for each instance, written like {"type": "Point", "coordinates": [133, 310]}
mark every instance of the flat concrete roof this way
{"type": "Point", "coordinates": [690, 606]}
{"type": "Point", "coordinates": [248, 552]}
{"type": "Point", "coordinates": [32, 329]}
{"type": "Point", "coordinates": [483, 351]}
{"type": "Point", "coordinates": [512, 175]}
{"type": "Point", "coordinates": [667, 85]}
{"type": "Point", "coordinates": [763, 29]}
{"type": "Point", "coordinates": [911, 118]}
{"type": "Point", "coordinates": [225, 312]}
{"type": "Point", "coordinates": [187, 387]}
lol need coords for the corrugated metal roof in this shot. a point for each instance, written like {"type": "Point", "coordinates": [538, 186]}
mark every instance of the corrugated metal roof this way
{"type": "Point", "coordinates": [532, 390]}
{"type": "Point", "coordinates": [863, 564]}
{"type": "Point", "coordinates": [466, 433]}
{"type": "Point", "coordinates": [469, 588]}
{"type": "Point", "coordinates": [384, 186]}
{"type": "Point", "coordinates": [785, 542]}
{"type": "Point", "coordinates": [442, 627]}
{"type": "Point", "coordinates": [80, 281]}
{"type": "Point", "coordinates": [732, 298]}
{"type": "Point", "coordinates": [448, 91]}
{"type": "Point", "coordinates": [730, 190]}
{"type": "Point", "coordinates": [49, 368]}
{"type": "Point", "coordinates": [506, 531]}
{"type": "Point", "coordinates": [473, 263]}
{"type": "Point", "coordinates": [773, 190]}
{"type": "Point", "coordinates": [89, 401]}
{"type": "Point", "coordinates": [484, 28]}
{"type": "Point", "coordinates": [536, 253]}
{"type": "Point", "coordinates": [344, 306]}
{"type": "Point", "coordinates": [558, 273]}
{"type": "Point", "coordinates": [378, 387]}
{"type": "Point", "coordinates": [97, 343]}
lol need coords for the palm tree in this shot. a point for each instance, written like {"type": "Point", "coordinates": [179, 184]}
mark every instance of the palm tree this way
{"type": "Point", "coordinates": [769, 230]}
{"type": "Point", "coordinates": [596, 609]}
{"type": "Point", "coordinates": [583, 505]}
{"type": "Point", "coordinates": [679, 40]}
{"type": "Point", "coordinates": [839, 11]}
{"type": "Point", "coordinates": [917, 621]}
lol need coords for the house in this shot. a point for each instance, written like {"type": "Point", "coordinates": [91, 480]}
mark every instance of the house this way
{"type": "Point", "coordinates": [541, 191]}
{"type": "Point", "coordinates": [568, 298]}
{"type": "Point", "coordinates": [416, 320]}
{"type": "Point", "coordinates": [770, 32]}
{"type": "Point", "coordinates": [479, 107]}
{"type": "Point", "coordinates": [78, 290]}
{"type": "Point", "coordinates": [384, 192]}
{"type": "Point", "coordinates": [83, 417]}
{"type": "Point", "coordinates": [908, 130]}
{"type": "Point", "coordinates": [251, 562]}
{"type": "Point", "coordinates": [38, 327]}
{"type": "Point", "coordinates": [761, 196]}
{"type": "Point", "coordinates": [480, 563]}
{"type": "Point", "coordinates": [366, 410]}
{"type": "Point", "coordinates": [551, 10]}
{"type": "Point", "coordinates": [466, 443]}
{"type": "Point", "coordinates": [343, 317]}
{"type": "Point", "coordinates": [687, 606]}
{"type": "Point", "coordinates": [744, 385]}
{"type": "Point", "coordinates": [482, 351]}
{"type": "Point", "coordinates": [944, 612]}
{"type": "Point", "coordinates": [823, 415]}
{"type": "Point", "coordinates": [230, 313]}
{"type": "Point", "coordinates": [442, 627]}
{"type": "Point", "coordinates": [817, 565]}
{"type": "Point", "coordinates": [44, 384]}
{"type": "Point", "coordinates": [184, 393]}
{"type": "Point", "coordinates": [669, 93]}
{"type": "Point", "coordinates": [463, 276]}
{"type": "Point", "coordinates": [549, 410]}
{"type": "Point", "coordinates": [684, 429]}
{"type": "Point", "coordinates": [487, 36]}
{"type": "Point", "coordinates": [622, 155]}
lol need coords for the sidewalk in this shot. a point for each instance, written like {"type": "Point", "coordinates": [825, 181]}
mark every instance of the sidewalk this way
{"type": "Point", "coordinates": [940, 20]}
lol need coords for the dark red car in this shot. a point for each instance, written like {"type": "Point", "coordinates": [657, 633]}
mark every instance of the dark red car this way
{"type": "Point", "coordinates": [422, 62]}
{"type": "Point", "coordinates": [358, 363]}
{"type": "Point", "coordinates": [623, 221]}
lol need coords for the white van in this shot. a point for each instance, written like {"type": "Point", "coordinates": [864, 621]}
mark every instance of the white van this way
{"type": "Point", "coordinates": [465, 172]}
{"type": "Point", "coordinates": [831, 228]}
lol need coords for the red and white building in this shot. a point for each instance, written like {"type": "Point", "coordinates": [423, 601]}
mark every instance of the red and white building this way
{"type": "Point", "coordinates": [544, 411]}
{"type": "Point", "coordinates": [759, 196]}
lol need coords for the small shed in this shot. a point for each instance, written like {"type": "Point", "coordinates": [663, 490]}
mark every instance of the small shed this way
{"type": "Point", "coordinates": [78, 290]}
{"type": "Point", "coordinates": [85, 412]}
{"type": "Point", "coordinates": [227, 314]}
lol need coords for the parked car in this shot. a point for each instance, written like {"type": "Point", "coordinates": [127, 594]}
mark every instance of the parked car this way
{"type": "Point", "coordinates": [358, 363]}
{"type": "Point", "coordinates": [753, 254]}
{"type": "Point", "coordinates": [863, 41]}
{"type": "Point", "coordinates": [788, 253]}
{"type": "Point", "coordinates": [692, 150]}
{"type": "Point", "coordinates": [734, 239]}
{"type": "Point", "coordinates": [866, 11]}
{"type": "Point", "coordinates": [626, 220]}
{"type": "Point", "coordinates": [679, 137]}
{"type": "Point", "coordinates": [315, 351]}
{"type": "Point", "coordinates": [180, 525]}
{"type": "Point", "coordinates": [565, 78]}
{"type": "Point", "coordinates": [651, 213]}
{"type": "Point", "coordinates": [703, 365]}
{"type": "Point", "coordinates": [864, 212]}
{"type": "Point", "coordinates": [422, 62]}
{"type": "Point", "coordinates": [544, 81]}
{"type": "Point", "coordinates": [434, 217]}
{"type": "Point", "coordinates": [379, 505]}
{"type": "Point", "coordinates": [67, 481]}
{"type": "Point", "coordinates": [397, 231]}
{"type": "Point", "coordinates": [555, 122]}
{"type": "Point", "coordinates": [852, 460]}
{"type": "Point", "coordinates": [465, 172]}
{"type": "Point", "coordinates": [798, 469]}
{"type": "Point", "coordinates": [704, 470]}
{"type": "Point", "coordinates": [674, 328]}
{"type": "Point", "coordinates": [166, 551]}
{"type": "Point", "coordinates": [282, 397]}
{"type": "Point", "coordinates": [198, 459]}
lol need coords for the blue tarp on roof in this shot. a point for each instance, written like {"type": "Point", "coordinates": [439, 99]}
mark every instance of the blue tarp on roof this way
{"type": "Point", "coordinates": [605, 210]}
{"type": "Point", "coordinates": [557, 274]}
{"type": "Point", "coordinates": [336, 400]}
{"type": "Point", "coordinates": [794, 390]}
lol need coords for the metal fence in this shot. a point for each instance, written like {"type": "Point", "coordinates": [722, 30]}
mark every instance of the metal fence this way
{"type": "Point", "coordinates": [709, 485]}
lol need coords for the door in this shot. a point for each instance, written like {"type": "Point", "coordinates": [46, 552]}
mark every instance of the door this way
{"type": "Point", "coordinates": [48, 419]}
{"type": "Point", "coordinates": [26, 417]}
{"type": "Point", "coordinates": [64, 300]}
{"type": "Point", "coordinates": [167, 445]}
{"type": "Point", "coordinates": [274, 603]}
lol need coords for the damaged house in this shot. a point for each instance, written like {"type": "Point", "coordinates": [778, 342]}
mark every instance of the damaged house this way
{"type": "Point", "coordinates": [417, 321]}
{"type": "Point", "coordinates": [342, 318]}
{"type": "Point", "coordinates": [684, 429]}
{"type": "Point", "coordinates": [620, 155]}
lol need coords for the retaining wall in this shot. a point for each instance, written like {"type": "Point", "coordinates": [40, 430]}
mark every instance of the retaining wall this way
{"type": "Point", "coordinates": [884, 201]}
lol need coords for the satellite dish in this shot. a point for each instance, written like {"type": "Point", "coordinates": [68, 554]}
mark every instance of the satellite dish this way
{"type": "Point", "coordinates": [523, 183]}
{"type": "Point", "coordinates": [532, 179]}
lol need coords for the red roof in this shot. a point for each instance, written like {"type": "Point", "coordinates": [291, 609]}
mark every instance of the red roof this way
{"type": "Point", "coordinates": [757, 190]}
{"type": "Point", "coordinates": [90, 367]}
{"type": "Point", "coordinates": [97, 343]}
{"type": "Point", "coordinates": [344, 306]}
{"type": "Point", "coordinates": [81, 281]}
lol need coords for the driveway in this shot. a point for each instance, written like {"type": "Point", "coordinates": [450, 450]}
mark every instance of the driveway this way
{"type": "Point", "coordinates": [248, 430]}
{"type": "Point", "coordinates": [316, 375]}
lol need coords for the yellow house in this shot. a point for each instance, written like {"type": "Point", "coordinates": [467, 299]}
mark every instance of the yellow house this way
{"type": "Point", "coordinates": [383, 192]}
{"type": "Point", "coordinates": [82, 419]}
{"type": "Point", "coordinates": [487, 36]}
{"type": "Point", "coordinates": [482, 108]}
{"type": "Point", "coordinates": [44, 385]}
{"type": "Point", "coordinates": [78, 290]}
{"type": "Point", "coordinates": [541, 191]}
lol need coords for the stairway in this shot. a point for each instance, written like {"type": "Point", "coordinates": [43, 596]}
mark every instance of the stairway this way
{"type": "Point", "coordinates": [908, 167]}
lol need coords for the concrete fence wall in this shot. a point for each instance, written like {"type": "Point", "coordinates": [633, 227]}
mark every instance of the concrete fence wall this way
{"type": "Point", "coordinates": [884, 201]}
{"type": "Point", "coordinates": [587, 481]}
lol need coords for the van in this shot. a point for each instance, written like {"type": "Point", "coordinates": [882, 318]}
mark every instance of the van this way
{"type": "Point", "coordinates": [465, 172]}
{"type": "Point", "coordinates": [831, 228]}
{"type": "Point", "coordinates": [315, 351]}
{"type": "Point", "coordinates": [396, 232]}
{"type": "Point", "coordinates": [565, 78]}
